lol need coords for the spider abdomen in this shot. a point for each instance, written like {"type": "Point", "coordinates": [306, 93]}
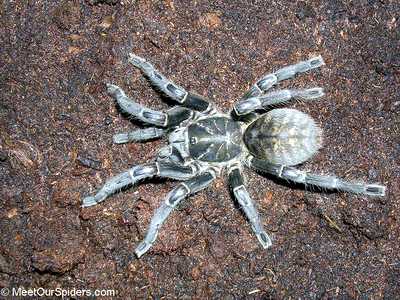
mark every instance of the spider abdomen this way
{"type": "Point", "coordinates": [215, 139]}
{"type": "Point", "coordinates": [283, 136]}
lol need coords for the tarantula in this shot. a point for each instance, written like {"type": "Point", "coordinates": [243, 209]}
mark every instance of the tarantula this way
{"type": "Point", "coordinates": [205, 143]}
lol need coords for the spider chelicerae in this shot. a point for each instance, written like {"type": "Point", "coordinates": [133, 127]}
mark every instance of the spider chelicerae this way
{"type": "Point", "coordinates": [205, 143]}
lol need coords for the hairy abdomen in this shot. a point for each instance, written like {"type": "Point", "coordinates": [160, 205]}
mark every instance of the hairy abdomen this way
{"type": "Point", "coordinates": [283, 136]}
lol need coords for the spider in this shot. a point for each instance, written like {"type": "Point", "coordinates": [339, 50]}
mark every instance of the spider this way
{"type": "Point", "coordinates": [205, 143]}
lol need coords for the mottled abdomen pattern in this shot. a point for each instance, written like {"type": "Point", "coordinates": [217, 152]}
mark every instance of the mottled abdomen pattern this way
{"type": "Point", "coordinates": [215, 139]}
{"type": "Point", "coordinates": [283, 136]}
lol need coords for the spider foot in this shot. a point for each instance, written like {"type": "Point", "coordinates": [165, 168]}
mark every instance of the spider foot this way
{"type": "Point", "coordinates": [142, 249]}
{"type": "Point", "coordinates": [375, 190]}
{"type": "Point", "coordinates": [264, 240]}
{"type": "Point", "coordinates": [112, 89]}
{"type": "Point", "coordinates": [138, 61]}
{"type": "Point", "coordinates": [89, 201]}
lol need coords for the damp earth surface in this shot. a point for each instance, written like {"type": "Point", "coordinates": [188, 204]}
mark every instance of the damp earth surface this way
{"type": "Point", "coordinates": [57, 123]}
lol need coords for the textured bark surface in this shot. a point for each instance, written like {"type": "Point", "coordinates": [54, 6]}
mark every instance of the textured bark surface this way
{"type": "Point", "coordinates": [57, 122]}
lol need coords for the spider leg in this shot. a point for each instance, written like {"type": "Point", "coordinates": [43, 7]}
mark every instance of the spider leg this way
{"type": "Point", "coordinates": [169, 88]}
{"type": "Point", "coordinates": [180, 192]}
{"type": "Point", "coordinates": [322, 181]}
{"type": "Point", "coordinates": [171, 118]}
{"type": "Point", "coordinates": [269, 80]}
{"type": "Point", "coordinates": [248, 206]}
{"type": "Point", "coordinates": [139, 135]}
{"type": "Point", "coordinates": [248, 105]}
{"type": "Point", "coordinates": [170, 153]}
{"type": "Point", "coordinates": [137, 173]}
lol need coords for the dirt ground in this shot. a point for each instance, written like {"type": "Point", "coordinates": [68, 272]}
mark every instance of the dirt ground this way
{"type": "Point", "coordinates": [57, 123]}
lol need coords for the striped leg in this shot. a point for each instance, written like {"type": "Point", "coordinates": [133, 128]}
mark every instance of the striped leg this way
{"type": "Point", "coordinates": [170, 118]}
{"type": "Point", "coordinates": [137, 173]}
{"type": "Point", "coordinates": [248, 105]}
{"type": "Point", "coordinates": [139, 135]}
{"type": "Point", "coordinates": [269, 80]}
{"type": "Point", "coordinates": [248, 206]}
{"type": "Point", "coordinates": [179, 193]}
{"type": "Point", "coordinates": [169, 88]}
{"type": "Point", "coordinates": [322, 181]}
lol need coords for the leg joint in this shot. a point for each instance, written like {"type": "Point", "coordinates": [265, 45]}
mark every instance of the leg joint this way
{"type": "Point", "coordinates": [177, 194]}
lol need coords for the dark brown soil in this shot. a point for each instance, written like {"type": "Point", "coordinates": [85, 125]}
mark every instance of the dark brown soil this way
{"type": "Point", "coordinates": [56, 124]}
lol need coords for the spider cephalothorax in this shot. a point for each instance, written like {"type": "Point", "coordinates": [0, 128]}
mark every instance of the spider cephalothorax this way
{"type": "Point", "coordinates": [205, 143]}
